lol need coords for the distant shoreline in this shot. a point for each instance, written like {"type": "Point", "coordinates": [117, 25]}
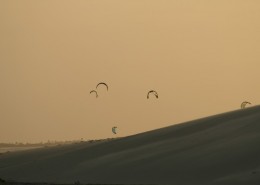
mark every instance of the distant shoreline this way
{"type": "Point", "coordinates": [9, 147]}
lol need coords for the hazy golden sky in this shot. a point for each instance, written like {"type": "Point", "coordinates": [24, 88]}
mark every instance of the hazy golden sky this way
{"type": "Point", "coordinates": [202, 57]}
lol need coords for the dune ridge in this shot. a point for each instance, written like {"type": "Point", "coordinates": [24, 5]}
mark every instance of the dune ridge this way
{"type": "Point", "coordinates": [219, 149]}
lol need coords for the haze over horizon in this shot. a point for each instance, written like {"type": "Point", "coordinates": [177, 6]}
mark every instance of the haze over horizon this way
{"type": "Point", "coordinates": [201, 57]}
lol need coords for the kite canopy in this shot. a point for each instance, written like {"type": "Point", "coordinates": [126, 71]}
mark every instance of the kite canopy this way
{"type": "Point", "coordinates": [102, 83]}
{"type": "Point", "coordinates": [243, 104]}
{"type": "Point", "coordinates": [152, 92]}
{"type": "Point", "coordinates": [93, 91]}
{"type": "Point", "coordinates": [114, 130]}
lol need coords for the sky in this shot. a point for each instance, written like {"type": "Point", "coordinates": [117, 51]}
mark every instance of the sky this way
{"type": "Point", "coordinates": [202, 57]}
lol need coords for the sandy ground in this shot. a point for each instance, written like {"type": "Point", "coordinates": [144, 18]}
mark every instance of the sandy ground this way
{"type": "Point", "coordinates": [218, 150]}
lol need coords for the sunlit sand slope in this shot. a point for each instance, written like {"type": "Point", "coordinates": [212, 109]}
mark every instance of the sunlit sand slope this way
{"type": "Point", "coordinates": [220, 149]}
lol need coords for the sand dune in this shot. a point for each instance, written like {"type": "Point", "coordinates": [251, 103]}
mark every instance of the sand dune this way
{"type": "Point", "coordinates": [220, 149]}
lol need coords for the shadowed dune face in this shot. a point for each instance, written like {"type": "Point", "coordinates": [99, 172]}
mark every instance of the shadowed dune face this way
{"type": "Point", "coordinates": [221, 149]}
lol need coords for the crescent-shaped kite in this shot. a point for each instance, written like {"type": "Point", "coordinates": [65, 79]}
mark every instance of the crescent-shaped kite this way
{"type": "Point", "coordinates": [153, 92]}
{"type": "Point", "coordinates": [93, 91]}
{"type": "Point", "coordinates": [243, 104]}
{"type": "Point", "coordinates": [102, 83]}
